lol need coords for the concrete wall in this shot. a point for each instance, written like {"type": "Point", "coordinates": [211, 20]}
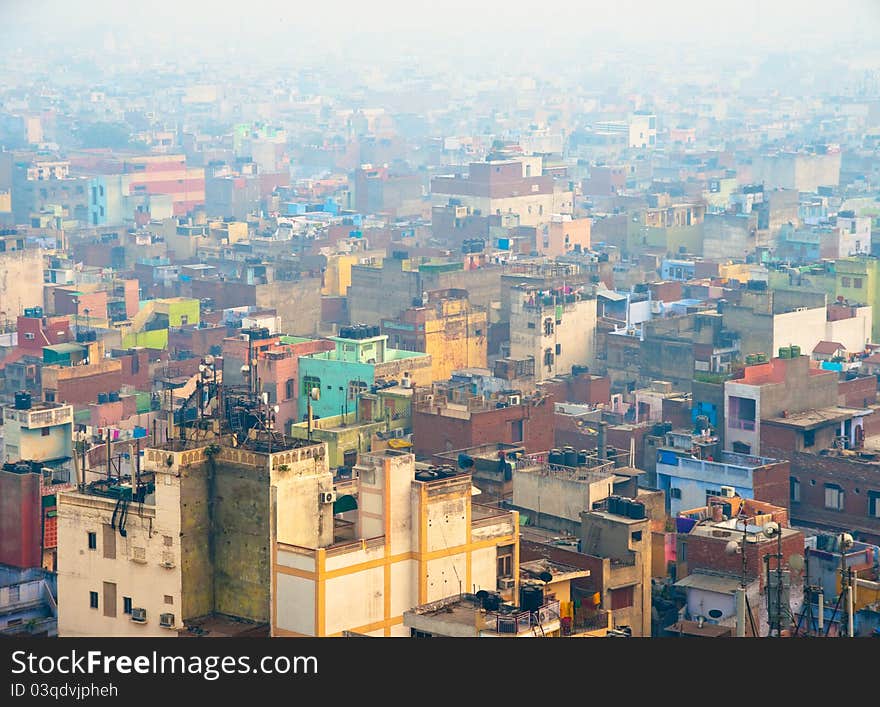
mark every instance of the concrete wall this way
{"type": "Point", "coordinates": [555, 495]}
{"type": "Point", "coordinates": [805, 329]}
{"type": "Point", "coordinates": [21, 280]}
{"type": "Point", "coordinates": [134, 565]}
{"type": "Point", "coordinates": [298, 304]}
{"type": "Point", "coordinates": [853, 333]}
{"type": "Point", "coordinates": [729, 235]}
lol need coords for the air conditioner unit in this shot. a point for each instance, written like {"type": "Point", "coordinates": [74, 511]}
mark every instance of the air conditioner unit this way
{"type": "Point", "coordinates": [327, 496]}
{"type": "Point", "coordinates": [728, 491]}
{"type": "Point", "coordinates": [513, 399]}
{"type": "Point", "coordinates": [139, 615]}
{"type": "Point", "coordinates": [166, 620]}
{"type": "Point", "coordinates": [506, 583]}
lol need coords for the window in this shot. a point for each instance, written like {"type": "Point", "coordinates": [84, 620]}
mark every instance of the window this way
{"type": "Point", "coordinates": [833, 497]}
{"type": "Point", "coordinates": [93, 541]}
{"type": "Point", "coordinates": [683, 552]}
{"type": "Point", "coordinates": [44, 432]}
{"type": "Point", "coordinates": [29, 335]}
{"type": "Point", "coordinates": [674, 493]}
{"type": "Point", "coordinates": [93, 600]}
{"type": "Point", "coordinates": [845, 282]}
{"type": "Point", "coordinates": [289, 389]}
{"type": "Point", "coordinates": [169, 599]}
{"type": "Point", "coordinates": [167, 540]}
{"type": "Point", "coordinates": [109, 538]}
{"type": "Point", "coordinates": [310, 382]}
{"type": "Point", "coordinates": [558, 349]}
{"type": "Point", "coordinates": [857, 281]}
{"type": "Point", "coordinates": [505, 561]}
{"type": "Point", "coordinates": [530, 325]}
{"type": "Point", "coordinates": [126, 605]}
{"type": "Point", "coordinates": [516, 431]}
{"type": "Point", "coordinates": [636, 537]}
{"type": "Point", "coordinates": [14, 593]}
{"type": "Point", "coordinates": [742, 448]}
{"type": "Point", "coordinates": [794, 489]}
{"type": "Point", "coordinates": [110, 600]}
{"type": "Point", "coordinates": [622, 598]}
{"type": "Point", "coordinates": [809, 438]}
{"type": "Point", "coordinates": [874, 504]}
{"type": "Point", "coordinates": [355, 388]}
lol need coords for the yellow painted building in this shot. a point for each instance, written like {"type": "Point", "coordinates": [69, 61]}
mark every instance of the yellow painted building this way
{"type": "Point", "coordinates": [412, 540]}
{"type": "Point", "coordinates": [447, 327]}
{"type": "Point", "coordinates": [337, 276]}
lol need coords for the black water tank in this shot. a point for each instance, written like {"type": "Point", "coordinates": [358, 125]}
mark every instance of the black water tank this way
{"type": "Point", "coordinates": [583, 455]}
{"type": "Point", "coordinates": [636, 510]}
{"type": "Point", "coordinates": [570, 456]}
{"type": "Point", "coordinates": [556, 457]}
{"type": "Point", "coordinates": [491, 602]}
{"type": "Point", "coordinates": [103, 398]}
{"type": "Point", "coordinates": [465, 461]}
{"type": "Point", "coordinates": [114, 396]}
{"type": "Point", "coordinates": [22, 400]}
{"type": "Point", "coordinates": [530, 597]}
{"type": "Point", "coordinates": [623, 507]}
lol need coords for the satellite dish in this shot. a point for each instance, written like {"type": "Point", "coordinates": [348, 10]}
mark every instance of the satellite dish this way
{"type": "Point", "coordinates": [731, 548]}
{"type": "Point", "coordinates": [545, 577]}
{"type": "Point", "coordinates": [771, 529]}
{"type": "Point", "coordinates": [796, 562]}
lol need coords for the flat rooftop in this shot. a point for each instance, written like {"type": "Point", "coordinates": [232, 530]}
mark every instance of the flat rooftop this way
{"type": "Point", "coordinates": [811, 419]}
{"type": "Point", "coordinates": [533, 569]}
{"type": "Point", "coordinates": [616, 517]}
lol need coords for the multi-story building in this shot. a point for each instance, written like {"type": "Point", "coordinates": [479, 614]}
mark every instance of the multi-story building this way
{"type": "Point", "coordinates": [415, 538]}
{"type": "Point", "coordinates": [188, 540]}
{"type": "Point", "coordinates": [710, 575]}
{"type": "Point", "coordinates": [555, 327]}
{"type": "Point", "coordinates": [563, 235]}
{"type": "Point", "coordinates": [447, 328]}
{"type": "Point", "coordinates": [360, 360]}
{"type": "Point", "coordinates": [37, 455]}
{"type": "Point", "coordinates": [778, 388]}
{"type": "Point", "coordinates": [506, 186]}
{"type": "Point", "coordinates": [802, 171]}
{"type": "Point", "coordinates": [443, 421]}
{"type": "Point", "coordinates": [688, 481]}
{"type": "Point", "coordinates": [133, 181]}
{"type": "Point", "coordinates": [620, 537]}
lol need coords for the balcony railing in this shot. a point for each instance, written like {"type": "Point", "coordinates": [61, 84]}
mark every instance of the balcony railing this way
{"type": "Point", "coordinates": [522, 621]}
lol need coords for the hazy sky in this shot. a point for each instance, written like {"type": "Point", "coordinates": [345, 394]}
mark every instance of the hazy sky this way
{"type": "Point", "coordinates": [708, 21]}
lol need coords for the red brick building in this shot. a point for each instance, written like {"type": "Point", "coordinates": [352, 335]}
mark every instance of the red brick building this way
{"type": "Point", "coordinates": [440, 425]}
{"type": "Point", "coordinates": [20, 521]}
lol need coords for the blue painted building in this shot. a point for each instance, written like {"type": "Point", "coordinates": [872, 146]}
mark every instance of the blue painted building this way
{"type": "Point", "coordinates": [360, 361]}
{"type": "Point", "coordinates": [687, 481]}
